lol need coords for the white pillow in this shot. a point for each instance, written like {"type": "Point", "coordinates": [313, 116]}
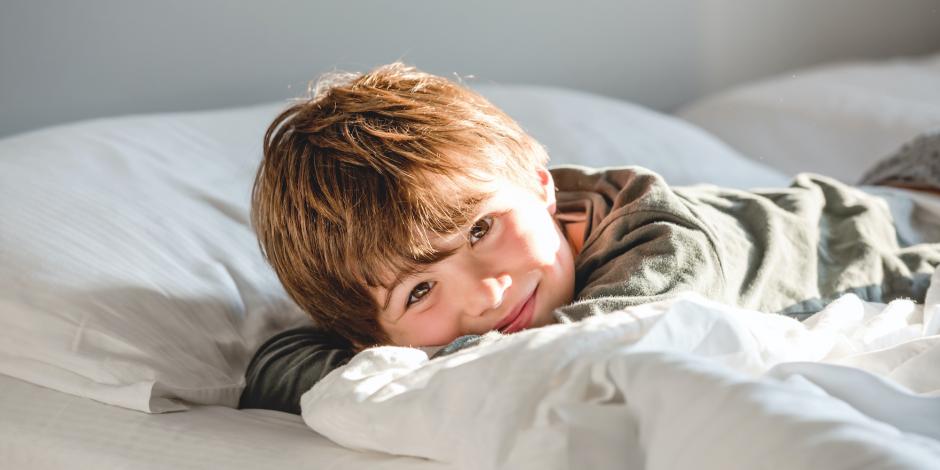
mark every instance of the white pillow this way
{"type": "Point", "coordinates": [128, 270]}
{"type": "Point", "coordinates": [582, 128]}
{"type": "Point", "coordinates": [836, 119]}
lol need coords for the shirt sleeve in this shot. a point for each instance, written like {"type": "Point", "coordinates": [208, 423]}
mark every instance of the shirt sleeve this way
{"type": "Point", "coordinates": [645, 242]}
{"type": "Point", "coordinates": [654, 260]}
{"type": "Point", "coordinates": [289, 364]}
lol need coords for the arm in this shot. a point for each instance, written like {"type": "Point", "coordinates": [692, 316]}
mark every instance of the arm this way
{"type": "Point", "coordinates": [652, 257]}
{"type": "Point", "coordinates": [289, 364]}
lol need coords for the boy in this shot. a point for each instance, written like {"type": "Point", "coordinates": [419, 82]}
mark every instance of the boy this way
{"type": "Point", "coordinates": [397, 207]}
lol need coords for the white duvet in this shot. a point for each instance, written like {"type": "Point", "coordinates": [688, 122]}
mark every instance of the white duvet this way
{"type": "Point", "coordinates": [686, 383]}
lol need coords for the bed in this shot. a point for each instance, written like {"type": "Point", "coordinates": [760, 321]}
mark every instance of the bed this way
{"type": "Point", "coordinates": [133, 294]}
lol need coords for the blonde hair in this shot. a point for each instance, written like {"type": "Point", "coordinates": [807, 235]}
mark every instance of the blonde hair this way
{"type": "Point", "coordinates": [358, 176]}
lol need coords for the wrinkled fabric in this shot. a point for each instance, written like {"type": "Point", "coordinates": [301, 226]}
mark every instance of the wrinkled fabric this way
{"type": "Point", "coordinates": [915, 164]}
{"type": "Point", "coordinates": [680, 383]}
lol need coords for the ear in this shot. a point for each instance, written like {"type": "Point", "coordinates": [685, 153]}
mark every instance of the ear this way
{"type": "Point", "coordinates": [547, 188]}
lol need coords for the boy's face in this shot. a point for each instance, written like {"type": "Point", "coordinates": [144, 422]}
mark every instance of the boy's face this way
{"type": "Point", "coordinates": [513, 267]}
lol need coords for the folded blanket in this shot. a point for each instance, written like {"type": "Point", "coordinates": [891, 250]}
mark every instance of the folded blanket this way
{"type": "Point", "coordinates": [685, 383]}
{"type": "Point", "coordinates": [916, 164]}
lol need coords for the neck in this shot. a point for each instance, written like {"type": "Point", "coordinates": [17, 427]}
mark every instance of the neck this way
{"type": "Point", "coordinates": [573, 231]}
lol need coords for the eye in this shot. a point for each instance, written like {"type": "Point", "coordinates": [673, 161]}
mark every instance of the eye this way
{"type": "Point", "coordinates": [479, 229]}
{"type": "Point", "coordinates": [418, 293]}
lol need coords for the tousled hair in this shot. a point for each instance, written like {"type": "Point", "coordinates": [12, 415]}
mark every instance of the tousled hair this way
{"type": "Point", "coordinates": [358, 177]}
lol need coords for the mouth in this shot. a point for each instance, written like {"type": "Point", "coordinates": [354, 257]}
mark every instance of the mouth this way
{"type": "Point", "coordinates": [520, 317]}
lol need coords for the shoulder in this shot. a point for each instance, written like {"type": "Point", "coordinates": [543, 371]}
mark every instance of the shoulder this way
{"type": "Point", "coordinates": [615, 190]}
{"type": "Point", "coordinates": [617, 185]}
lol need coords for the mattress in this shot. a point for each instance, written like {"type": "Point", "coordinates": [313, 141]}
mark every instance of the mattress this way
{"type": "Point", "coordinates": [45, 429]}
{"type": "Point", "coordinates": [124, 224]}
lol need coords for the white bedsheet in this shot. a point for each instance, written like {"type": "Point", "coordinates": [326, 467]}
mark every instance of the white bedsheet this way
{"type": "Point", "coordinates": [681, 384]}
{"type": "Point", "coordinates": [44, 429]}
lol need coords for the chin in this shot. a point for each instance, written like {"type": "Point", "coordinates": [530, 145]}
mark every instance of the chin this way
{"type": "Point", "coordinates": [543, 319]}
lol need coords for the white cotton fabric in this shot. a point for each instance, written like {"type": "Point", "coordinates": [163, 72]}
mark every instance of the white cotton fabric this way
{"type": "Point", "coordinates": [686, 383]}
{"type": "Point", "coordinates": [834, 119]}
{"type": "Point", "coordinates": [42, 429]}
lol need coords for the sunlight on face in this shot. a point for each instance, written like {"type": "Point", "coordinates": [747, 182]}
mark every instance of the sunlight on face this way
{"type": "Point", "coordinates": [512, 268]}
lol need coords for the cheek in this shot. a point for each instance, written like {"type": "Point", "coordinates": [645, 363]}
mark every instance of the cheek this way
{"type": "Point", "coordinates": [542, 240]}
{"type": "Point", "coordinates": [424, 329]}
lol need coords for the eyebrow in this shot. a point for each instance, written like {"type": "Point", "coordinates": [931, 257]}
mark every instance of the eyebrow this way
{"type": "Point", "coordinates": [433, 258]}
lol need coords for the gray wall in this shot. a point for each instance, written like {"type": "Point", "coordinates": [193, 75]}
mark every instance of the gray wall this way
{"type": "Point", "coordinates": [63, 60]}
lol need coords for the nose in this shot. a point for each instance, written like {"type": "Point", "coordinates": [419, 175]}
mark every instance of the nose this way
{"type": "Point", "coordinates": [485, 293]}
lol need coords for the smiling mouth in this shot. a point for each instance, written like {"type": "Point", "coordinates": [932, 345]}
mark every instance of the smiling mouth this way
{"type": "Point", "coordinates": [515, 321]}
